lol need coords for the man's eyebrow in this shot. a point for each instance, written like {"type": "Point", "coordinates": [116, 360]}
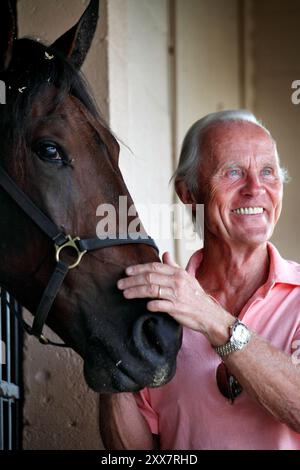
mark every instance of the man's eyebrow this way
{"type": "Point", "coordinates": [230, 164]}
{"type": "Point", "coordinates": [268, 163]}
{"type": "Point", "coordinates": [233, 163]}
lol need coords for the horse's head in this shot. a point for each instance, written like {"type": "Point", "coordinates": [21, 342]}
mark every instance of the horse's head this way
{"type": "Point", "coordinates": [63, 157]}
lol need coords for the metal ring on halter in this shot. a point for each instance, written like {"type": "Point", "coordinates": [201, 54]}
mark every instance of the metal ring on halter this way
{"type": "Point", "coordinates": [159, 290]}
{"type": "Point", "coordinates": [71, 243]}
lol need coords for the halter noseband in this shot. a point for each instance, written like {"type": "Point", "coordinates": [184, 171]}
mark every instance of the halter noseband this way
{"type": "Point", "coordinates": [61, 241]}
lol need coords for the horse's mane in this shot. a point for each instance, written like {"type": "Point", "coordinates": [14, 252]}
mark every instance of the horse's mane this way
{"type": "Point", "coordinates": [33, 68]}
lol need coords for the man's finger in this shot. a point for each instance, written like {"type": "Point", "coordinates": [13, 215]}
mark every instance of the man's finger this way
{"type": "Point", "coordinates": [146, 292]}
{"type": "Point", "coordinates": [145, 279]}
{"type": "Point", "coordinates": [150, 267]}
{"type": "Point", "coordinates": [168, 260]}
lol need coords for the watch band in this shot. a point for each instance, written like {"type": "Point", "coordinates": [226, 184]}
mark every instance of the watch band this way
{"type": "Point", "coordinates": [226, 349]}
{"type": "Point", "coordinates": [234, 343]}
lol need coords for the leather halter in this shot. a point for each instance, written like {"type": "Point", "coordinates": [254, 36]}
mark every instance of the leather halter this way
{"type": "Point", "coordinates": [61, 241]}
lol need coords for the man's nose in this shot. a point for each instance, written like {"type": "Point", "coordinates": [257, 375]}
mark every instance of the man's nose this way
{"type": "Point", "coordinates": [253, 185]}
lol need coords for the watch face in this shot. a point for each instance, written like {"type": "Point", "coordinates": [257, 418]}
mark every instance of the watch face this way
{"type": "Point", "coordinates": [241, 334]}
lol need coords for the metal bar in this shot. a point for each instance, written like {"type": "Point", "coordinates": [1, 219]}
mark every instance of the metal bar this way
{"type": "Point", "coordinates": [10, 374]}
{"type": "Point", "coordinates": [18, 426]}
{"type": "Point", "coordinates": [1, 401]}
{"type": "Point", "coordinates": [10, 426]}
{"type": "Point", "coordinates": [1, 426]}
{"type": "Point", "coordinates": [16, 342]}
{"type": "Point", "coordinates": [8, 338]}
{"type": "Point", "coordinates": [1, 339]}
{"type": "Point", "coordinates": [18, 406]}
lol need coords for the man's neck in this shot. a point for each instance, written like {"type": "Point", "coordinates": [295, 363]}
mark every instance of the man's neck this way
{"type": "Point", "coordinates": [232, 274]}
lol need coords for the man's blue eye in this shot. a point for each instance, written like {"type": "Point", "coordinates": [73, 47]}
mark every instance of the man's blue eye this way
{"type": "Point", "coordinates": [234, 172]}
{"type": "Point", "coordinates": [267, 171]}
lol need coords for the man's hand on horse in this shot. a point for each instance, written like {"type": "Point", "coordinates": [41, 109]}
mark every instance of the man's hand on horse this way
{"type": "Point", "coordinates": [175, 291]}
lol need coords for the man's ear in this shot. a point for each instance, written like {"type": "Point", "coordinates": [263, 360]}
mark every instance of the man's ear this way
{"type": "Point", "coordinates": [184, 194]}
{"type": "Point", "coordinates": [187, 197]}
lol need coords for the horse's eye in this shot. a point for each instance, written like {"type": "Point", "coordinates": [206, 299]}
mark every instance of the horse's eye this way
{"type": "Point", "coordinates": [50, 152]}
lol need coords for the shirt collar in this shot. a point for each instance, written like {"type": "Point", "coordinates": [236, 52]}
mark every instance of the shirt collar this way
{"type": "Point", "coordinates": [281, 270]}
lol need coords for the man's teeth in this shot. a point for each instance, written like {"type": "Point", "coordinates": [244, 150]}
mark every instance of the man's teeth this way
{"type": "Point", "coordinates": [248, 210]}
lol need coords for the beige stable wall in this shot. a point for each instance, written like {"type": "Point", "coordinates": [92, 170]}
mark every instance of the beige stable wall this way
{"type": "Point", "coordinates": [243, 53]}
{"type": "Point", "coordinates": [207, 52]}
{"type": "Point", "coordinates": [140, 108]}
{"type": "Point", "coordinates": [273, 38]}
{"type": "Point", "coordinates": [59, 411]}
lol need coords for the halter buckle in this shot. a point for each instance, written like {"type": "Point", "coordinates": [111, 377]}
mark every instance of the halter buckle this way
{"type": "Point", "coordinates": [71, 243]}
{"type": "Point", "coordinates": [43, 340]}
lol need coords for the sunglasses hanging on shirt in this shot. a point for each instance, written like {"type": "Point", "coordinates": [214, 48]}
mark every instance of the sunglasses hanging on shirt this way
{"type": "Point", "coordinates": [228, 385]}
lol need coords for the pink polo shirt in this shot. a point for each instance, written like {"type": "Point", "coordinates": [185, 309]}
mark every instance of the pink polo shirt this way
{"type": "Point", "coordinates": [190, 412]}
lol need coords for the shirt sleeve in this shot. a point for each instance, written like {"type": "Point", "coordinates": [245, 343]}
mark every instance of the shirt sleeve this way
{"type": "Point", "coordinates": [143, 401]}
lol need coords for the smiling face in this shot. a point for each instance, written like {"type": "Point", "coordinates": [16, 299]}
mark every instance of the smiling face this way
{"type": "Point", "coordinates": [240, 183]}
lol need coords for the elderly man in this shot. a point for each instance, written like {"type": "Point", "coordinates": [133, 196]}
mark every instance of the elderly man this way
{"type": "Point", "coordinates": [237, 384]}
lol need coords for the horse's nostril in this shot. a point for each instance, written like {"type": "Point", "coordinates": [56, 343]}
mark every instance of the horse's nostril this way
{"type": "Point", "coordinates": [151, 336]}
{"type": "Point", "coordinates": [155, 336]}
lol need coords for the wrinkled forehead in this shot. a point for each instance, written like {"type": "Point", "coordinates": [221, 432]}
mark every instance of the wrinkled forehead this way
{"type": "Point", "coordinates": [237, 140]}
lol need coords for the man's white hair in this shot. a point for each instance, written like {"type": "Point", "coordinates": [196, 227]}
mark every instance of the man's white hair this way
{"type": "Point", "coordinates": [191, 156]}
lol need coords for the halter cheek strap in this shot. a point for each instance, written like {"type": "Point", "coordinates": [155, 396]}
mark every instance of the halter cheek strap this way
{"type": "Point", "coordinates": [61, 241]}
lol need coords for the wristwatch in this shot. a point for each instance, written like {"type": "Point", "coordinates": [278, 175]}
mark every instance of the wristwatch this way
{"type": "Point", "coordinates": [239, 336]}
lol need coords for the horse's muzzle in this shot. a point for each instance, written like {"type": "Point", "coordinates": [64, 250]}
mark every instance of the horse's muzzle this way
{"type": "Point", "coordinates": [147, 358]}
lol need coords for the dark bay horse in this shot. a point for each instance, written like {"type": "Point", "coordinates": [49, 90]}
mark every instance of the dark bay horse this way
{"type": "Point", "coordinates": [62, 157]}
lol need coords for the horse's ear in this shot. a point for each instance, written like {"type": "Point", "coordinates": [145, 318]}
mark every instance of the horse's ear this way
{"type": "Point", "coordinates": [8, 31]}
{"type": "Point", "coordinates": [75, 43]}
